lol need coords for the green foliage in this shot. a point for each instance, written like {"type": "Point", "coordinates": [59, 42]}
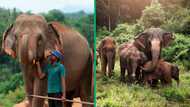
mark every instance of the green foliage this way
{"type": "Point", "coordinates": [54, 15]}
{"type": "Point", "coordinates": [185, 26]}
{"type": "Point", "coordinates": [122, 33]}
{"type": "Point", "coordinates": [12, 97]}
{"type": "Point", "coordinates": [101, 33]}
{"type": "Point", "coordinates": [11, 83]}
{"type": "Point", "coordinates": [176, 20]}
{"type": "Point", "coordinates": [178, 51]}
{"type": "Point", "coordinates": [152, 16]}
{"type": "Point", "coordinates": [84, 25]}
{"type": "Point", "coordinates": [125, 32]}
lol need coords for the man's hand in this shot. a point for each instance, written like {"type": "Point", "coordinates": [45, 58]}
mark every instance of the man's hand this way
{"type": "Point", "coordinates": [40, 73]}
{"type": "Point", "coordinates": [63, 98]}
{"type": "Point", "coordinates": [10, 52]}
{"type": "Point", "coordinates": [47, 53]}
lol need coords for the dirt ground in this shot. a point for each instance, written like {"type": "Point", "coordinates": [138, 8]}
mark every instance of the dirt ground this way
{"type": "Point", "coordinates": [24, 103]}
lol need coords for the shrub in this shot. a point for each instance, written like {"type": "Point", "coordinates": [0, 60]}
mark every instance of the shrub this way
{"type": "Point", "coordinates": [153, 15]}
{"type": "Point", "coordinates": [185, 26]}
{"type": "Point", "coordinates": [176, 20]}
{"type": "Point", "coordinates": [125, 32]}
{"type": "Point", "coordinates": [178, 51]}
{"type": "Point", "coordinates": [11, 84]}
{"type": "Point", "coordinates": [13, 97]}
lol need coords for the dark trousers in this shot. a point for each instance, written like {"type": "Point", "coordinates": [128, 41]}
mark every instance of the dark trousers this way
{"type": "Point", "coordinates": [55, 103]}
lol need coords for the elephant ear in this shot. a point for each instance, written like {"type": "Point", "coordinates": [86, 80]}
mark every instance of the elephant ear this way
{"type": "Point", "coordinates": [53, 40]}
{"type": "Point", "coordinates": [9, 42]}
{"type": "Point", "coordinates": [101, 45]}
{"type": "Point", "coordinates": [140, 40]}
{"type": "Point", "coordinates": [167, 39]}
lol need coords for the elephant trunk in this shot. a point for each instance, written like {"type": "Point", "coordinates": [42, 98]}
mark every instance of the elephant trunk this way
{"type": "Point", "coordinates": [110, 62]}
{"type": "Point", "coordinates": [22, 48]}
{"type": "Point", "coordinates": [32, 50]}
{"type": "Point", "coordinates": [134, 68]}
{"type": "Point", "coordinates": [155, 52]}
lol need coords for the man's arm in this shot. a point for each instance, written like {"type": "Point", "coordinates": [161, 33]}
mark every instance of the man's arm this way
{"type": "Point", "coordinates": [63, 87]}
{"type": "Point", "coordinates": [39, 70]}
{"type": "Point", "coordinates": [63, 83]}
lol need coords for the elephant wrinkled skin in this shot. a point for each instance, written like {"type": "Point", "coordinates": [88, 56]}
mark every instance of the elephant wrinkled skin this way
{"type": "Point", "coordinates": [30, 37]}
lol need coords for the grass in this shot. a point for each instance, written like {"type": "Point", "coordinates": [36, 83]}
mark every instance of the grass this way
{"type": "Point", "coordinates": [112, 93]}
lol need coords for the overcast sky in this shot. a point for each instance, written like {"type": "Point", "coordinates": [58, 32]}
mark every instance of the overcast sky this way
{"type": "Point", "coordinates": [37, 6]}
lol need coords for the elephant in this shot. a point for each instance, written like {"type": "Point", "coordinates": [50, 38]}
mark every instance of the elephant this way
{"type": "Point", "coordinates": [107, 52]}
{"type": "Point", "coordinates": [151, 42]}
{"type": "Point", "coordinates": [30, 37]}
{"type": "Point", "coordinates": [164, 72]}
{"type": "Point", "coordinates": [131, 59]}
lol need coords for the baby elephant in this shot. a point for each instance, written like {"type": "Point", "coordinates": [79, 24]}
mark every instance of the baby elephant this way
{"type": "Point", "coordinates": [130, 58]}
{"type": "Point", "coordinates": [164, 72]}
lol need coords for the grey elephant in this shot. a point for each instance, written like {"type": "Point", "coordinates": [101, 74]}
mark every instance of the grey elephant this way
{"type": "Point", "coordinates": [107, 52]}
{"type": "Point", "coordinates": [131, 59]}
{"type": "Point", "coordinates": [30, 37]}
{"type": "Point", "coordinates": [151, 42]}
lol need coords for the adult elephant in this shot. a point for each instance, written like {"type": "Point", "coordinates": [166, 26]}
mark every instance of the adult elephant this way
{"type": "Point", "coordinates": [107, 52]}
{"type": "Point", "coordinates": [30, 37]}
{"type": "Point", "coordinates": [131, 59]}
{"type": "Point", "coordinates": [151, 42]}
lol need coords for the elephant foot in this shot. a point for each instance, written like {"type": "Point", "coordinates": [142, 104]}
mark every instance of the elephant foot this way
{"type": "Point", "coordinates": [110, 75]}
{"type": "Point", "coordinates": [122, 79]}
{"type": "Point", "coordinates": [105, 74]}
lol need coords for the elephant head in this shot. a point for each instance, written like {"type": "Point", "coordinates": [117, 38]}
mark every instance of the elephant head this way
{"type": "Point", "coordinates": [29, 38]}
{"type": "Point", "coordinates": [134, 58]}
{"type": "Point", "coordinates": [151, 42]}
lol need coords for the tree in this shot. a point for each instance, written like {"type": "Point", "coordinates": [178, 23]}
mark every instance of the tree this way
{"type": "Point", "coordinates": [153, 15]}
{"type": "Point", "coordinates": [113, 12]}
{"type": "Point", "coordinates": [55, 15]}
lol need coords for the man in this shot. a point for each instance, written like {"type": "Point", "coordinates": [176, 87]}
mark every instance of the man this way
{"type": "Point", "coordinates": [55, 72]}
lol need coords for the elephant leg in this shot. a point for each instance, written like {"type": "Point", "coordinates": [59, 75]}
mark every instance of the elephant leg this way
{"type": "Point", "coordinates": [122, 77]}
{"type": "Point", "coordinates": [138, 75]}
{"type": "Point", "coordinates": [154, 82]}
{"type": "Point", "coordinates": [129, 73]}
{"type": "Point", "coordinates": [28, 83]}
{"type": "Point", "coordinates": [113, 64]}
{"type": "Point", "coordinates": [85, 88]}
{"type": "Point", "coordinates": [103, 65]}
{"type": "Point", "coordinates": [122, 74]}
{"type": "Point", "coordinates": [40, 88]}
{"type": "Point", "coordinates": [69, 95]}
{"type": "Point", "coordinates": [85, 94]}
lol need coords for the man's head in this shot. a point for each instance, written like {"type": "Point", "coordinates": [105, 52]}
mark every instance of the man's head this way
{"type": "Point", "coordinates": [55, 56]}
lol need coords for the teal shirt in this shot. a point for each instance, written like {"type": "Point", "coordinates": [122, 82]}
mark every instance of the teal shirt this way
{"type": "Point", "coordinates": [54, 73]}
